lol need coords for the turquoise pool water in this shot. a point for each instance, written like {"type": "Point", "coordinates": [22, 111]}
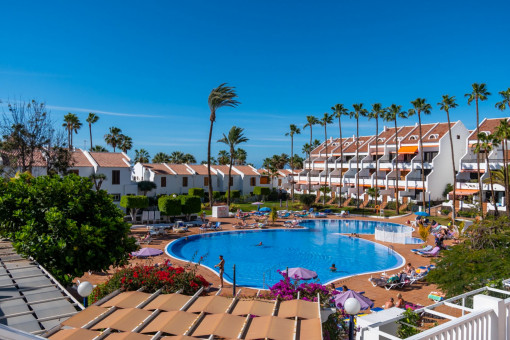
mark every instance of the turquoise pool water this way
{"type": "Point", "coordinates": [316, 247]}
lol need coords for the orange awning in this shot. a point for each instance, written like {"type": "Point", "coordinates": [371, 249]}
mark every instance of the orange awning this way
{"type": "Point", "coordinates": [464, 192]}
{"type": "Point", "coordinates": [482, 171]}
{"type": "Point", "coordinates": [409, 150]}
{"type": "Point", "coordinates": [306, 182]}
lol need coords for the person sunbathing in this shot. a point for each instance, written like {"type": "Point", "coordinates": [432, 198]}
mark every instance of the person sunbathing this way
{"type": "Point", "coordinates": [410, 270]}
{"type": "Point", "coordinates": [400, 301]}
{"type": "Point", "coordinates": [390, 303]}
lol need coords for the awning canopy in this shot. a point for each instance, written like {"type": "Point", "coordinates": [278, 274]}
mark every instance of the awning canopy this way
{"type": "Point", "coordinates": [464, 192]}
{"type": "Point", "coordinates": [408, 150]}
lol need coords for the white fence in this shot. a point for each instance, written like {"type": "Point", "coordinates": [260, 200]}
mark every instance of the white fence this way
{"type": "Point", "coordinates": [393, 234]}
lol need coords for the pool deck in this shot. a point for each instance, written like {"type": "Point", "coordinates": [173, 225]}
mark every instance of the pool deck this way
{"type": "Point", "coordinates": [417, 293]}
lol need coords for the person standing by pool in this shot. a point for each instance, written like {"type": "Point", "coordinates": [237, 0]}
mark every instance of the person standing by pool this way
{"type": "Point", "coordinates": [221, 267]}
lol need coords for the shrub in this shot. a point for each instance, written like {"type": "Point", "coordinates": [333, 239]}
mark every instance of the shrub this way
{"type": "Point", "coordinates": [234, 194]}
{"type": "Point", "coordinates": [216, 195]}
{"type": "Point", "coordinates": [190, 205]}
{"type": "Point", "coordinates": [169, 206]}
{"type": "Point", "coordinates": [261, 191]}
{"type": "Point", "coordinates": [307, 200]}
{"type": "Point", "coordinates": [133, 203]}
{"type": "Point", "coordinates": [196, 192]}
{"type": "Point", "coordinates": [146, 186]}
{"type": "Point", "coordinates": [288, 289]}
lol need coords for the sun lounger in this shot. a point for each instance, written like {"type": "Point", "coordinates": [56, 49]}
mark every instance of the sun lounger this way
{"type": "Point", "coordinates": [427, 248]}
{"type": "Point", "coordinates": [434, 252]}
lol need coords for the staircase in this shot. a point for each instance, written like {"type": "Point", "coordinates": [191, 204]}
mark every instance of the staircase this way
{"type": "Point", "coordinates": [346, 203]}
{"type": "Point", "coordinates": [365, 202]}
{"type": "Point", "coordinates": [333, 196]}
{"type": "Point", "coordinates": [405, 201]}
{"type": "Point", "coordinates": [318, 198]}
{"type": "Point", "coordinates": [384, 202]}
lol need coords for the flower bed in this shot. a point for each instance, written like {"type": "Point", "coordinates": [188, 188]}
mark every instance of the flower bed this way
{"type": "Point", "coordinates": [167, 278]}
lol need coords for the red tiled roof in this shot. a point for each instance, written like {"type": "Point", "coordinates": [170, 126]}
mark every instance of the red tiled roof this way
{"type": "Point", "coordinates": [488, 125]}
{"type": "Point", "coordinates": [200, 169]}
{"type": "Point", "coordinates": [363, 145]}
{"type": "Point", "coordinates": [425, 128]}
{"type": "Point", "coordinates": [110, 159]}
{"type": "Point", "coordinates": [436, 133]}
{"type": "Point", "coordinates": [158, 168]}
{"type": "Point", "coordinates": [80, 160]}
{"type": "Point", "coordinates": [224, 169]}
{"type": "Point", "coordinates": [247, 170]}
{"type": "Point", "coordinates": [39, 159]}
{"type": "Point", "coordinates": [179, 169]}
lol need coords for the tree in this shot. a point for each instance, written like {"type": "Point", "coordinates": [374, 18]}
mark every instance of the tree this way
{"type": "Point", "coordinates": [480, 259]}
{"type": "Point", "coordinates": [359, 111]}
{"type": "Point", "coordinates": [63, 224]}
{"type": "Point", "coordinates": [161, 157]}
{"type": "Point", "coordinates": [487, 143]}
{"type": "Point", "coordinates": [177, 157]}
{"type": "Point", "coordinates": [58, 157]}
{"type": "Point", "coordinates": [294, 130]}
{"type": "Point", "coordinates": [142, 156]}
{"type": "Point", "coordinates": [240, 156]}
{"type": "Point", "coordinates": [261, 191]}
{"type": "Point", "coordinates": [125, 143]}
{"type": "Point", "coordinates": [219, 97]}
{"type": "Point", "coordinates": [391, 115]}
{"type": "Point", "coordinates": [307, 200]}
{"type": "Point", "coordinates": [97, 179]}
{"type": "Point", "coordinates": [479, 93]}
{"type": "Point", "coordinates": [98, 148]}
{"type": "Point", "coordinates": [188, 159]}
{"type": "Point", "coordinates": [113, 137]}
{"type": "Point", "coordinates": [376, 113]}
{"type": "Point", "coordinates": [196, 192]}
{"type": "Point", "coordinates": [339, 111]}
{"type": "Point", "coordinates": [72, 124]}
{"type": "Point", "coordinates": [276, 161]}
{"type": "Point", "coordinates": [298, 161]}
{"type": "Point", "coordinates": [310, 122]}
{"type": "Point", "coordinates": [213, 161]}
{"type": "Point", "coordinates": [134, 203]}
{"type": "Point", "coordinates": [273, 215]}
{"type": "Point", "coordinates": [232, 140]}
{"type": "Point", "coordinates": [190, 205]}
{"type": "Point", "coordinates": [223, 157]}
{"type": "Point", "coordinates": [325, 121]}
{"type": "Point", "coordinates": [420, 106]}
{"type": "Point", "coordinates": [503, 133]}
{"type": "Point", "coordinates": [170, 206]}
{"type": "Point", "coordinates": [146, 186]}
{"type": "Point", "coordinates": [91, 119]}
{"type": "Point", "coordinates": [446, 104]}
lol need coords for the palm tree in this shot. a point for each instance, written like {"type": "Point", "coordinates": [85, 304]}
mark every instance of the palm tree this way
{"type": "Point", "coordinates": [421, 106]}
{"type": "Point", "coordinates": [91, 119]}
{"type": "Point", "coordinates": [161, 157]}
{"type": "Point", "coordinates": [498, 176]}
{"type": "Point", "coordinates": [240, 156]}
{"type": "Point", "coordinates": [339, 111]}
{"type": "Point", "coordinates": [98, 148]}
{"type": "Point", "coordinates": [72, 124]}
{"type": "Point", "coordinates": [272, 172]}
{"type": "Point", "coordinates": [67, 125]}
{"type": "Point", "coordinates": [219, 97]}
{"type": "Point", "coordinates": [310, 122]}
{"type": "Point", "coordinates": [479, 93]}
{"type": "Point", "coordinates": [391, 115]}
{"type": "Point", "coordinates": [188, 158]}
{"type": "Point", "coordinates": [234, 138]}
{"type": "Point", "coordinates": [486, 144]}
{"type": "Point", "coordinates": [97, 179]}
{"type": "Point", "coordinates": [177, 157]}
{"type": "Point", "coordinates": [376, 113]}
{"type": "Point", "coordinates": [113, 138]}
{"type": "Point", "coordinates": [503, 134]}
{"type": "Point", "coordinates": [142, 156]}
{"type": "Point", "coordinates": [294, 130]}
{"type": "Point", "coordinates": [324, 121]}
{"type": "Point", "coordinates": [125, 143]}
{"type": "Point", "coordinates": [446, 104]}
{"type": "Point", "coordinates": [358, 111]}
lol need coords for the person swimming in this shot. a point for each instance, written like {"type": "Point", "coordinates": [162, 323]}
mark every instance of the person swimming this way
{"type": "Point", "coordinates": [259, 245]}
{"type": "Point", "coordinates": [333, 268]}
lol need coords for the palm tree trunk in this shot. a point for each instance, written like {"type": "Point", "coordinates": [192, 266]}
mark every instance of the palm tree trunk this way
{"type": "Point", "coordinates": [396, 167]}
{"type": "Point", "coordinates": [325, 164]}
{"type": "Point", "coordinates": [505, 173]}
{"type": "Point", "coordinates": [292, 166]}
{"type": "Point", "coordinates": [341, 162]}
{"type": "Point", "coordinates": [496, 212]}
{"type": "Point", "coordinates": [422, 164]}
{"type": "Point", "coordinates": [376, 154]}
{"type": "Point", "coordinates": [480, 191]}
{"type": "Point", "coordinates": [229, 177]}
{"type": "Point", "coordinates": [453, 166]}
{"type": "Point", "coordinates": [90, 130]}
{"type": "Point", "coordinates": [310, 161]}
{"type": "Point", "coordinates": [357, 163]}
{"type": "Point", "coordinates": [209, 166]}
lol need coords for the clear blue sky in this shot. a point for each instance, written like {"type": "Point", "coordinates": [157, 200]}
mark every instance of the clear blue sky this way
{"type": "Point", "coordinates": [154, 63]}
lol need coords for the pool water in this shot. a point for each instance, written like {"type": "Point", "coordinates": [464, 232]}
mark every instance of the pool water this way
{"type": "Point", "coordinates": [315, 247]}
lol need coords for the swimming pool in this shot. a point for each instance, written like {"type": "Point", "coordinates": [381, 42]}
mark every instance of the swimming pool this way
{"type": "Point", "coordinates": [315, 247]}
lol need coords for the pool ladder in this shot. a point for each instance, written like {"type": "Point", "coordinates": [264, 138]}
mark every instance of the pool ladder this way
{"type": "Point", "coordinates": [392, 249]}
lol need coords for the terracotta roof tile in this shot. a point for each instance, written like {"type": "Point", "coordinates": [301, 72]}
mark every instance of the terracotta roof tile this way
{"type": "Point", "coordinates": [436, 133]}
{"type": "Point", "coordinates": [402, 132]}
{"type": "Point", "coordinates": [488, 125]}
{"type": "Point", "coordinates": [110, 159]}
{"type": "Point", "coordinates": [158, 168]}
{"type": "Point", "coordinates": [363, 145]}
{"type": "Point", "coordinates": [425, 128]}
{"type": "Point", "coordinates": [224, 169]}
{"type": "Point", "coordinates": [80, 160]}
{"type": "Point", "coordinates": [199, 169]}
{"type": "Point", "coordinates": [247, 170]}
{"type": "Point", "coordinates": [180, 169]}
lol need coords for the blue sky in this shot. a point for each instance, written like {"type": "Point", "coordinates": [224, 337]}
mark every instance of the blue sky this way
{"type": "Point", "coordinates": [148, 67]}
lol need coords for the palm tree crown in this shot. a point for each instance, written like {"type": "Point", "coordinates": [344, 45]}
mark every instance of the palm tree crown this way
{"type": "Point", "coordinates": [505, 102]}
{"type": "Point", "coordinates": [125, 143]}
{"type": "Point", "coordinates": [479, 93]}
{"type": "Point", "coordinates": [141, 156]}
{"type": "Point", "coordinates": [113, 137]}
{"type": "Point", "coordinates": [161, 157]}
{"type": "Point", "coordinates": [91, 119]}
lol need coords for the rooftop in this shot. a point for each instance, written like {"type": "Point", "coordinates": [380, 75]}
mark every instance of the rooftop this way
{"type": "Point", "coordinates": [80, 160]}
{"type": "Point", "coordinates": [158, 168]}
{"type": "Point", "coordinates": [110, 159]}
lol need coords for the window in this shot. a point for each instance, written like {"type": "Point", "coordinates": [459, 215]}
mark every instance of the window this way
{"type": "Point", "coordinates": [381, 139]}
{"type": "Point", "coordinates": [231, 181]}
{"type": "Point", "coordinates": [206, 181]}
{"type": "Point", "coordinates": [115, 176]}
{"type": "Point", "coordinates": [264, 180]}
{"type": "Point", "coordinates": [253, 181]}
{"type": "Point", "coordinates": [76, 172]}
{"type": "Point", "coordinates": [458, 136]}
{"type": "Point", "coordinates": [163, 182]}
{"type": "Point", "coordinates": [279, 182]}
{"type": "Point", "coordinates": [116, 197]}
{"type": "Point", "coordinates": [185, 181]}
{"type": "Point", "coordinates": [434, 136]}
{"type": "Point", "coordinates": [413, 137]}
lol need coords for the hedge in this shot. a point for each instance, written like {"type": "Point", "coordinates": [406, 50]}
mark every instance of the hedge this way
{"type": "Point", "coordinates": [262, 191]}
{"type": "Point", "coordinates": [196, 192]}
{"type": "Point", "coordinates": [169, 206]}
{"type": "Point", "coordinates": [133, 203]}
{"type": "Point", "coordinates": [190, 204]}
{"type": "Point", "coordinates": [216, 195]}
{"type": "Point", "coordinates": [234, 194]}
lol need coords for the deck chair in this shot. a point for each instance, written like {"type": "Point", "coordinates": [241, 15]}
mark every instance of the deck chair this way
{"type": "Point", "coordinates": [145, 217]}
{"type": "Point", "coordinates": [402, 281]}
{"type": "Point", "coordinates": [431, 253]}
{"type": "Point", "coordinates": [157, 216]}
{"type": "Point", "coordinates": [427, 248]}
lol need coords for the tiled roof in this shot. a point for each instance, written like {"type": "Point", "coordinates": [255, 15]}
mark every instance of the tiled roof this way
{"type": "Point", "coordinates": [488, 125]}
{"type": "Point", "coordinates": [386, 134]}
{"type": "Point", "coordinates": [436, 133]}
{"type": "Point", "coordinates": [247, 170]}
{"type": "Point", "coordinates": [200, 169]}
{"type": "Point", "coordinates": [179, 169]}
{"type": "Point", "coordinates": [110, 159]}
{"type": "Point", "coordinates": [363, 145]}
{"type": "Point", "coordinates": [402, 132]}
{"type": "Point", "coordinates": [158, 168]}
{"type": "Point", "coordinates": [224, 169]}
{"type": "Point", "coordinates": [80, 160]}
{"type": "Point", "coordinates": [39, 159]}
{"type": "Point", "coordinates": [416, 132]}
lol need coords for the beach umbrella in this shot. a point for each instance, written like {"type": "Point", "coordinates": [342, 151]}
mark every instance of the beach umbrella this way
{"type": "Point", "coordinates": [300, 273]}
{"type": "Point", "coordinates": [363, 300]}
{"type": "Point", "coordinates": [146, 252]}
{"type": "Point", "coordinates": [258, 204]}
{"type": "Point", "coordinates": [421, 213]}
{"type": "Point", "coordinates": [265, 209]}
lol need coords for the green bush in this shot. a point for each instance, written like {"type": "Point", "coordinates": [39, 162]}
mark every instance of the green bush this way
{"type": "Point", "coordinates": [307, 200]}
{"type": "Point", "coordinates": [190, 204]}
{"type": "Point", "coordinates": [261, 191]}
{"type": "Point", "coordinates": [133, 203]}
{"type": "Point", "coordinates": [234, 194]}
{"type": "Point", "coordinates": [170, 206]}
{"type": "Point", "coordinates": [216, 195]}
{"type": "Point", "coordinates": [196, 192]}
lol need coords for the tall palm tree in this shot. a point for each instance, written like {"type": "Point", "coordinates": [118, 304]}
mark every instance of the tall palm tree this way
{"type": "Point", "coordinates": [98, 148]}
{"type": "Point", "coordinates": [479, 93]}
{"type": "Point", "coordinates": [339, 111]}
{"type": "Point", "coordinates": [91, 119]}
{"type": "Point", "coordinates": [505, 102]}
{"type": "Point", "coordinates": [420, 106]}
{"type": "Point", "coordinates": [486, 144]}
{"type": "Point", "coordinates": [161, 157]}
{"type": "Point", "coordinates": [324, 121]}
{"type": "Point", "coordinates": [294, 130]}
{"type": "Point", "coordinates": [67, 125]}
{"type": "Point", "coordinates": [446, 104]}
{"type": "Point", "coordinates": [219, 97]}
{"type": "Point", "coordinates": [72, 124]}
{"type": "Point", "coordinates": [113, 137]}
{"type": "Point", "coordinates": [240, 156]}
{"type": "Point", "coordinates": [233, 139]}
{"type": "Point", "coordinates": [503, 134]}
{"type": "Point", "coordinates": [359, 111]}
{"type": "Point", "coordinates": [310, 122]}
{"type": "Point", "coordinates": [223, 157]}
{"type": "Point", "coordinates": [177, 157]}
{"type": "Point", "coordinates": [376, 113]}
{"type": "Point", "coordinates": [142, 156]}
{"type": "Point", "coordinates": [391, 115]}
{"type": "Point", "coordinates": [125, 143]}
{"type": "Point", "coordinates": [188, 158]}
